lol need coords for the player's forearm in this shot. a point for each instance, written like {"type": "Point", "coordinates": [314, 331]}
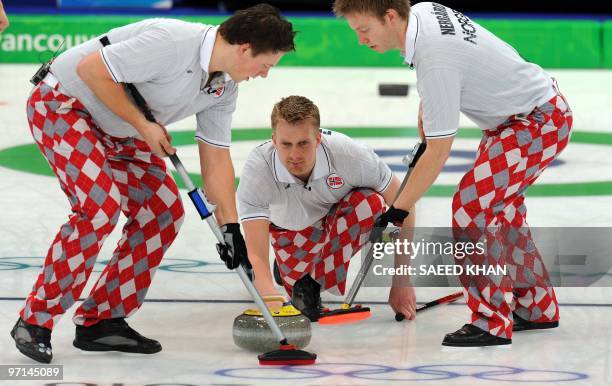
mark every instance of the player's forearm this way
{"type": "Point", "coordinates": [256, 235]}
{"type": "Point", "coordinates": [258, 256]}
{"type": "Point", "coordinates": [93, 73]}
{"type": "Point", "coordinates": [404, 259]}
{"type": "Point", "coordinates": [405, 233]}
{"type": "Point", "coordinates": [392, 191]}
{"type": "Point", "coordinates": [263, 276]}
{"type": "Point", "coordinates": [219, 180]}
{"type": "Point", "coordinates": [420, 122]}
{"type": "Point", "coordinates": [425, 172]}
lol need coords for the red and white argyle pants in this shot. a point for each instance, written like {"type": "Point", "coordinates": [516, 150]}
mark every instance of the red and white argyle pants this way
{"type": "Point", "coordinates": [489, 205]}
{"type": "Point", "coordinates": [324, 250]}
{"type": "Point", "coordinates": [102, 176]}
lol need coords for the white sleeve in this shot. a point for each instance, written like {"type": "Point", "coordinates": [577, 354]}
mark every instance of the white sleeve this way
{"type": "Point", "coordinates": [372, 172]}
{"type": "Point", "coordinates": [255, 189]}
{"type": "Point", "coordinates": [215, 123]}
{"type": "Point", "coordinates": [440, 93]}
{"type": "Point", "coordinates": [375, 173]}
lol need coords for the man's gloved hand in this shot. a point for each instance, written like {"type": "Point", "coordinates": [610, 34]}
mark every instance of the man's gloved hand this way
{"type": "Point", "coordinates": [392, 215]}
{"type": "Point", "coordinates": [234, 251]}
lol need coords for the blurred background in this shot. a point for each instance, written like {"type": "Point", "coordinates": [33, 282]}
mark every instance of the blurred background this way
{"type": "Point", "coordinates": [323, 6]}
{"type": "Point", "coordinates": [552, 34]}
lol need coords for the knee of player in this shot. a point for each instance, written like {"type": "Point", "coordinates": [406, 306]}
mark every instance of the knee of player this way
{"type": "Point", "coordinates": [358, 195]}
{"type": "Point", "coordinates": [377, 203]}
{"type": "Point", "coordinates": [173, 215]}
{"type": "Point", "coordinates": [373, 198]}
{"type": "Point", "coordinates": [457, 202]}
{"type": "Point", "coordinates": [178, 214]}
{"type": "Point", "coordinates": [114, 219]}
{"type": "Point", "coordinates": [102, 213]}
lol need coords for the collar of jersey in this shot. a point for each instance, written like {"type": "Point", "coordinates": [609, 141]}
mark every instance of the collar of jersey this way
{"type": "Point", "coordinates": [208, 42]}
{"type": "Point", "coordinates": [321, 169]}
{"type": "Point", "coordinates": [412, 33]}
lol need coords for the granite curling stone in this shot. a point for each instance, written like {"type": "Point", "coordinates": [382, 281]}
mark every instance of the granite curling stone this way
{"type": "Point", "coordinates": [251, 331]}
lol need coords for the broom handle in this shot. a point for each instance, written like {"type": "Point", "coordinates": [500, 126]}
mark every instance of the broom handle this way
{"type": "Point", "coordinates": [410, 160]}
{"type": "Point", "coordinates": [178, 165]}
{"type": "Point", "coordinates": [443, 300]}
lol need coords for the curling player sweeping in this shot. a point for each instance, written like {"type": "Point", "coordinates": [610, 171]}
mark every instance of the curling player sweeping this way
{"type": "Point", "coordinates": [108, 160]}
{"type": "Point", "coordinates": [316, 194]}
{"type": "Point", "coordinates": [232, 250]}
{"type": "Point", "coordinates": [526, 122]}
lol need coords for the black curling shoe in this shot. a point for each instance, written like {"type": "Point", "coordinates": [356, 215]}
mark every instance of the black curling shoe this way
{"type": "Point", "coordinates": [33, 341]}
{"type": "Point", "coordinates": [114, 335]}
{"type": "Point", "coordinates": [521, 324]}
{"type": "Point", "coordinates": [472, 336]}
{"type": "Point", "coordinates": [306, 297]}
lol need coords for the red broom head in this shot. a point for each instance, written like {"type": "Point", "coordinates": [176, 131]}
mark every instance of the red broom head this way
{"type": "Point", "coordinates": [287, 355]}
{"type": "Point", "coordinates": [345, 316]}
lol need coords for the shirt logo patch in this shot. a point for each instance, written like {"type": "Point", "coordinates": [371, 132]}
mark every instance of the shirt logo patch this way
{"type": "Point", "coordinates": [334, 181]}
{"type": "Point", "coordinates": [215, 90]}
{"type": "Point", "coordinates": [219, 91]}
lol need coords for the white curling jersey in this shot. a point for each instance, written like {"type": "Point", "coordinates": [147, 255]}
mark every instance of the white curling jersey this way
{"type": "Point", "coordinates": [462, 67]}
{"type": "Point", "coordinates": [268, 191]}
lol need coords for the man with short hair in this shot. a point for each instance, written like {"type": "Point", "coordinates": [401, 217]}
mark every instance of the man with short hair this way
{"type": "Point", "coordinates": [526, 123]}
{"type": "Point", "coordinates": [317, 194]}
{"type": "Point", "coordinates": [108, 159]}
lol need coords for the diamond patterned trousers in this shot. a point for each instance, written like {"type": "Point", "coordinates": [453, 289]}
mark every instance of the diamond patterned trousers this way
{"type": "Point", "coordinates": [102, 176]}
{"type": "Point", "coordinates": [489, 206]}
{"type": "Point", "coordinates": [324, 250]}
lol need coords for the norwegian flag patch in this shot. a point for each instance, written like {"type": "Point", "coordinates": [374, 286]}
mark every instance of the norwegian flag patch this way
{"type": "Point", "coordinates": [219, 91]}
{"type": "Point", "coordinates": [216, 89]}
{"type": "Point", "coordinates": [334, 181]}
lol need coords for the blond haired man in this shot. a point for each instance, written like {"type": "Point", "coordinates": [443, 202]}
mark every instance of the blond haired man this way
{"type": "Point", "coordinates": [317, 194]}
{"type": "Point", "coordinates": [526, 123]}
